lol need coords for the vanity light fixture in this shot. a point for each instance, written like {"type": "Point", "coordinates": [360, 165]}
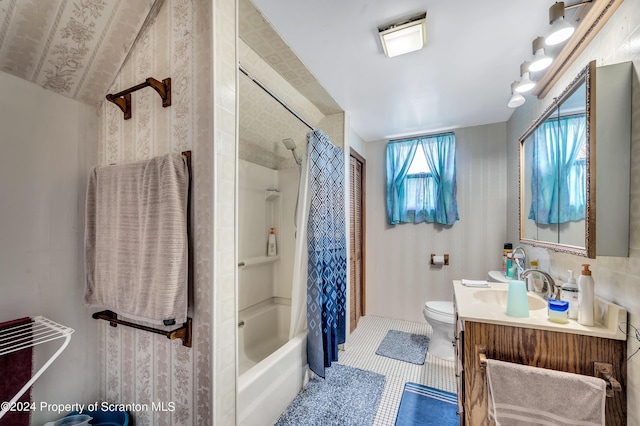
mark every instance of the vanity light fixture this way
{"type": "Point", "coordinates": [525, 82]}
{"type": "Point", "coordinates": [561, 30]}
{"type": "Point", "coordinates": [404, 36]}
{"type": "Point", "coordinates": [540, 60]}
{"type": "Point", "coordinates": [516, 98]}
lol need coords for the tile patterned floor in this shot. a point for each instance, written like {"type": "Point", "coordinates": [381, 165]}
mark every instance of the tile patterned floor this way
{"type": "Point", "coordinates": [360, 353]}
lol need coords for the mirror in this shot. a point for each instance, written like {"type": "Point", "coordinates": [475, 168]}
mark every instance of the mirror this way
{"type": "Point", "coordinates": [555, 179]}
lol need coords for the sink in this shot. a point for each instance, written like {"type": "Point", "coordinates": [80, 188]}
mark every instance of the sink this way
{"type": "Point", "coordinates": [498, 277]}
{"type": "Point", "coordinates": [499, 297]}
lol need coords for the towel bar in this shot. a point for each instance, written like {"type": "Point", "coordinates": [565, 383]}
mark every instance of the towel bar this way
{"type": "Point", "coordinates": [602, 370]}
{"type": "Point", "coordinates": [183, 333]}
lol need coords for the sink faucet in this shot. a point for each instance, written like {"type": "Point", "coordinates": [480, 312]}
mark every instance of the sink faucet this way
{"type": "Point", "coordinates": [550, 289]}
{"type": "Point", "coordinates": [521, 266]}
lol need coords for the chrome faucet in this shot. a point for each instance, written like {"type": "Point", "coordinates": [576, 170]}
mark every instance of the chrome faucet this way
{"type": "Point", "coordinates": [549, 288]}
{"type": "Point", "coordinates": [521, 267]}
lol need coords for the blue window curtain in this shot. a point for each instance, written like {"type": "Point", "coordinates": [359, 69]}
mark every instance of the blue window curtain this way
{"type": "Point", "coordinates": [558, 175]}
{"type": "Point", "coordinates": [424, 197]}
{"type": "Point", "coordinates": [327, 252]}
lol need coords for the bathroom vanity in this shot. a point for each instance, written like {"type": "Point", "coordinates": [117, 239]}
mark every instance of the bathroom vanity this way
{"type": "Point", "coordinates": [484, 330]}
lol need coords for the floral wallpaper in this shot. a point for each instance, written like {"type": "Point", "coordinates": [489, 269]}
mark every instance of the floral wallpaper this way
{"type": "Point", "coordinates": [72, 47]}
{"type": "Point", "coordinates": [138, 367]}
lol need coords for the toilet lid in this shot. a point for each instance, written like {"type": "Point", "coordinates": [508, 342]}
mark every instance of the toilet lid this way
{"type": "Point", "coordinates": [440, 308]}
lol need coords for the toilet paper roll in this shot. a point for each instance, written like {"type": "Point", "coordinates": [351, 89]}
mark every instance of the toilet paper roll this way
{"type": "Point", "coordinates": [437, 260]}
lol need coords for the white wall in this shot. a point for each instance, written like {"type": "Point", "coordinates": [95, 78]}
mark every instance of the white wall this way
{"type": "Point", "coordinates": [48, 143]}
{"type": "Point", "coordinates": [399, 278]}
{"type": "Point", "coordinates": [617, 278]}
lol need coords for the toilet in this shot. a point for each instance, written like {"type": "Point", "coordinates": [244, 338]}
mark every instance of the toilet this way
{"type": "Point", "coordinates": [439, 314]}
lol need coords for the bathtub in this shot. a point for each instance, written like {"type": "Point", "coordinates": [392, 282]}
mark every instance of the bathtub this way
{"type": "Point", "coordinates": [272, 367]}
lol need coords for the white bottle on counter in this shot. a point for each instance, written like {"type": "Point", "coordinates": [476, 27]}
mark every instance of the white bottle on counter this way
{"type": "Point", "coordinates": [570, 294]}
{"type": "Point", "coordinates": [586, 293]}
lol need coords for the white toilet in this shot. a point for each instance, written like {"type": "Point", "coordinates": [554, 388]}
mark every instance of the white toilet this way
{"type": "Point", "coordinates": [439, 314]}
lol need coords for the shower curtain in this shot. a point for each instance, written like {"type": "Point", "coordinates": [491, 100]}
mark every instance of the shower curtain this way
{"type": "Point", "coordinates": [320, 265]}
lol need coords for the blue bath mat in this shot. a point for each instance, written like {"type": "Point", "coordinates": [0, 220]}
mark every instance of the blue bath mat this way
{"type": "Point", "coordinates": [424, 406]}
{"type": "Point", "coordinates": [403, 346]}
{"type": "Point", "coordinates": [347, 396]}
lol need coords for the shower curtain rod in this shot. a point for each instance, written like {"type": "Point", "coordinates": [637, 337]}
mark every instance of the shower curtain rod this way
{"type": "Point", "coordinates": [270, 93]}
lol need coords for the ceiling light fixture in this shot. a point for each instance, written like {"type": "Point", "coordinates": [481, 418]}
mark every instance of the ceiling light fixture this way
{"type": "Point", "coordinates": [525, 82]}
{"type": "Point", "coordinates": [540, 60]}
{"type": "Point", "coordinates": [516, 98]}
{"type": "Point", "coordinates": [561, 30]}
{"type": "Point", "coordinates": [405, 36]}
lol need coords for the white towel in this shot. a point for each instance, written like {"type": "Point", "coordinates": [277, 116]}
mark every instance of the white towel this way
{"type": "Point", "coordinates": [522, 395]}
{"type": "Point", "coordinates": [136, 239]}
{"type": "Point", "coordinates": [475, 283]}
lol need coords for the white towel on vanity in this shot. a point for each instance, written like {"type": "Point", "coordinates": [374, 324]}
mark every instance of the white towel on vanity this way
{"type": "Point", "coordinates": [522, 395]}
{"type": "Point", "coordinates": [475, 283]}
{"type": "Point", "coordinates": [136, 239]}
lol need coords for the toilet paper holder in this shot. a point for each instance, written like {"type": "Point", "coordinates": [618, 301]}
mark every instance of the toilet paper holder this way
{"type": "Point", "coordinates": [446, 259]}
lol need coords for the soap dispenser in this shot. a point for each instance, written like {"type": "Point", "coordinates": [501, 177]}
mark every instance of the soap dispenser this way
{"type": "Point", "coordinates": [585, 296]}
{"type": "Point", "coordinates": [570, 294]}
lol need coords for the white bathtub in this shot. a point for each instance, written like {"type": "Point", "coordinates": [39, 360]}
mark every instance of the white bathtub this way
{"type": "Point", "coordinates": [272, 369]}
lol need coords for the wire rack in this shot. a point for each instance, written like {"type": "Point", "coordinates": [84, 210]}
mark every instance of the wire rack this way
{"type": "Point", "coordinates": [27, 335]}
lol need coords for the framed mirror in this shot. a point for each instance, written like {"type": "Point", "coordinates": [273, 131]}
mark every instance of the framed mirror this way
{"type": "Point", "coordinates": [556, 179]}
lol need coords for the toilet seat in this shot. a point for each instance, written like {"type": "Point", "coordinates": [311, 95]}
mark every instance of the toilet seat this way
{"type": "Point", "coordinates": [440, 311]}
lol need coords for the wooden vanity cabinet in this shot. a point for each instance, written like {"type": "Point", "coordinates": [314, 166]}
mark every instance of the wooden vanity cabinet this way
{"type": "Point", "coordinates": [459, 347]}
{"type": "Point", "coordinates": [539, 348]}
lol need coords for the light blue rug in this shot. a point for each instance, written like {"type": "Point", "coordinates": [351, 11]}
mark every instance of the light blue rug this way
{"type": "Point", "coordinates": [347, 396]}
{"type": "Point", "coordinates": [424, 406]}
{"type": "Point", "coordinates": [403, 346]}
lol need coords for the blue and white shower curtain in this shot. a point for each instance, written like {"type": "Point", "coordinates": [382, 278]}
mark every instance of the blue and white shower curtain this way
{"type": "Point", "coordinates": [327, 252]}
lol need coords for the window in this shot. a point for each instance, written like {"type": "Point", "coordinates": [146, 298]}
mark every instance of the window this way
{"type": "Point", "coordinates": [421, 180]}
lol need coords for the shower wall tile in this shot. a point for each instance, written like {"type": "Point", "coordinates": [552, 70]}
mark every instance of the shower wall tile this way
{"type": "Point", "coordinates": [140, 367]}
{"type": "Point", "coordinates": [256, 31]}
{"type": "Point", "coordinates": [263, 122]}
{"type": "Point", "coordinates": [616, 278]}
{"type": "Point", "coordinates": [334, 126]}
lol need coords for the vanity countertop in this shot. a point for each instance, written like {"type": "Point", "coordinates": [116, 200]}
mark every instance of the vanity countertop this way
{"type": "Point", "coordinates": [472, 308]}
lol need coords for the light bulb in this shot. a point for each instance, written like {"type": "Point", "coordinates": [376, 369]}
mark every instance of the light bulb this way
{"type": "Point", "coordinates": [525, 83]}
{"type": "Point", "coordinates": [540, 61]}
{"type": "Point", "coordinates": [516, 100]}
{"type": "Point", "coordinates": [560, 31]}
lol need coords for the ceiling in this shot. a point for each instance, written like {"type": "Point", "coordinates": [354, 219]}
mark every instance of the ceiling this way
{"type": "Point", "coordinates": [329, 52]}
{"type": "Point", "coordinates": [461, 78]}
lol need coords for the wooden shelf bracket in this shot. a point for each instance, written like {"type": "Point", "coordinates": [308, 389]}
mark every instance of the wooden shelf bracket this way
{"type": "Point", "coordinates": [123, 99]}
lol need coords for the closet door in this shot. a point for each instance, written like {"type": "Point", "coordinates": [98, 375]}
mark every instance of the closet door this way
{"type": "Point", "coordinates": [356, 235]}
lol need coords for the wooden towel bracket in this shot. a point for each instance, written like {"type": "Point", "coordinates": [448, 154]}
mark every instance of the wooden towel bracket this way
{"type": "Point", "coordinates": [123, 99]}
{"type": "Point", "coordinates": [604, 371]}
{"type": "Point", "coordinates": [481, 352]}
